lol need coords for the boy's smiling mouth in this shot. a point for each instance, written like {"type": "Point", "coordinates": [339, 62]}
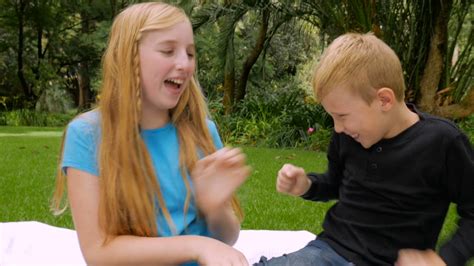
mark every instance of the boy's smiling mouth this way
{"type": "Point", "coordinates": [354, 136]}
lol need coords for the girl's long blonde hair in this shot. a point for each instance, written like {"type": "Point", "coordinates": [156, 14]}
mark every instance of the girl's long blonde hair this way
{"type": "Point", "coordinates": [129, 187]}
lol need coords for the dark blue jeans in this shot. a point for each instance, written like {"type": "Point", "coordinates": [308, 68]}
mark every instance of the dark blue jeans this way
{"type": "Point", "coordinates": [319, 253]}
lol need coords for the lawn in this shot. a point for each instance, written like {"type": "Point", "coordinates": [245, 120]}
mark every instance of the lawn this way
{"type": "Point", "coordinates": [29, 156]}
{"type": "Point", "coordinates": [28, 165]}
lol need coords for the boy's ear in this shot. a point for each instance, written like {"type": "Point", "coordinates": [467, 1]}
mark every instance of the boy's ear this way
{"type": "Point", "coordinates": [386, 98]}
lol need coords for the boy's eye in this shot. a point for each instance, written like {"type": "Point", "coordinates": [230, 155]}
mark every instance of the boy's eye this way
{"type": "Point", "coordinates": [339, 117]}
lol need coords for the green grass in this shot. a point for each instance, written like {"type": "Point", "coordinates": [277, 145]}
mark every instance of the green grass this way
{"type": "Point", "coordinates": [27, 173]}
{"type": "Point", "coordinates": [7, 129]}
{"type": "Point", "coordinates": [28, 167]}
{"type": "Point", "coordinates": [265, 208]}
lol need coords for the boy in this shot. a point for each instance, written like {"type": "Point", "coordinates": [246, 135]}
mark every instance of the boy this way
{"type": "Point", "coordinates": [393, 169]}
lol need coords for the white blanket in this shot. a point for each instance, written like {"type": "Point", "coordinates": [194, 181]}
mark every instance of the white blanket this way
{"type": "Point", "coordinates": [34, 243]}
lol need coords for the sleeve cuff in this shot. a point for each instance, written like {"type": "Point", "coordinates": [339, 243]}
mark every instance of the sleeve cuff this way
{"type": "Point", "coordinates": [312, 189]}
{"type": "Point", "coordinates": [451, 256]}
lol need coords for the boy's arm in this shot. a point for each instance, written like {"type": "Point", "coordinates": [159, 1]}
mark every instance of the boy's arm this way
{"type": "Point", "coordinates": [460, 183]}
{"type": "Point", "coordinates": [325, 186]}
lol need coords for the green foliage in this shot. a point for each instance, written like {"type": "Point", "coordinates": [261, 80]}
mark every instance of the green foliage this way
{"type": "Point", "coordinates": [209, 71]}
{"type": "Point", "coordinates": [243, 53]}
{"type": "Point", "coordinates": [408, 27]}
{"type": "Point", "coordinates": [459, 62]}
{"type": "Point", "coordinates": [54, 100]}
{"type": "Point", "coordinates": [467, 126]}
{"type": "Point", "coordinates": [63, 41]}
{"type": "Point", "coordinates": [60, 42]}
{"type": "Point", "coordinates": [12, 102]}
{"type": "Point", "coordinates": [276, 118]}
{"type": "Point", "coordinates": [319, 139]}
{"type": "Point", "coordinates": [250, 131]}
{"type": "Point", "coordinates": [26, 117]}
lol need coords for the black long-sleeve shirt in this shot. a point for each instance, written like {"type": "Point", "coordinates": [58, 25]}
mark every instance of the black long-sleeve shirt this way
{"type": "Point", "coordinates": [395, 194]}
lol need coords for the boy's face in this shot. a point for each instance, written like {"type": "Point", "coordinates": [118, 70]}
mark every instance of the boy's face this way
{"type": "Point", "coordinates": [353, 116]}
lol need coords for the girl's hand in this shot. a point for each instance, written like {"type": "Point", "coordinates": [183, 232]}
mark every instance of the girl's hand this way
{"type": "Point", "coordinates": [214, 252]}
{"type": "Point", "coordinates": [216, 177]}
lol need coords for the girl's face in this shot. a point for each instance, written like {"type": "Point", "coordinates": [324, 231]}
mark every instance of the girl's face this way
{"type": "Point", "coordinates": [167, 65]}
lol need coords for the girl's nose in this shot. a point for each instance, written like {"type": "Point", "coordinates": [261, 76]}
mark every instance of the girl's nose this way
{"type": "Point", "coordinates": [184, 61]}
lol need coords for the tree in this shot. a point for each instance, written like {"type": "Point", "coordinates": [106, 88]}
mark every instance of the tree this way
{"type": "Point", "coordinates": [268, 15]}
{"type": "Point", "coordinates": [57, 44]}
{"type": "Point", "coordinates": [419, 32]}
{"type": "Point", "coordinates": [27, 24]}
{"type": "Point", "coordinates": [20, 10]}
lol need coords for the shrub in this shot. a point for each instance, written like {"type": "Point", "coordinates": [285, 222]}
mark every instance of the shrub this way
{"type": "Point", "coordinates": [319, 139]}
{"type": "Point", "coordinates": [3, 119]}
{"type": "Point", "coordinates": [54, 100]}
{"type": "Point", "coordinates": [26, 117]}
{"type": "Point", "coordinates": [467, 126]}
{"type": "Point", "coordinates": [273, 118]}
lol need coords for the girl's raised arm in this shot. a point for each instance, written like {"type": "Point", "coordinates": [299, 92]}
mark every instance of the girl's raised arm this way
{"type": "Point", "coordinates": [83, 191]}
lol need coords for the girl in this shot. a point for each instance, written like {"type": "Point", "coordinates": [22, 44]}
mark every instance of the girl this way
{"type": "Point", "coordinates": [144, 180]}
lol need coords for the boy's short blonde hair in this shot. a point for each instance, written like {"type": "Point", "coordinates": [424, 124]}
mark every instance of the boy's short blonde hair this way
{"type": "Point", "coordinates": [361, 63]}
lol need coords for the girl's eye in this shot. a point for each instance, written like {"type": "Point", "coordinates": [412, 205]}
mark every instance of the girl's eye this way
{"type": "Point", "coordinates": [191, 55]}
{"type": "Point", "coordinates": [167, 52]}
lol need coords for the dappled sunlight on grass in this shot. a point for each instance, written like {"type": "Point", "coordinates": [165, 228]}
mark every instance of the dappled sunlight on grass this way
{"type": "Point", "coordinates": [33, 134]}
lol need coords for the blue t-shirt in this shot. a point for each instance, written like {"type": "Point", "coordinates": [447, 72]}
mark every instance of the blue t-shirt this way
{"type": "Point", "coordinates": [81, 150]}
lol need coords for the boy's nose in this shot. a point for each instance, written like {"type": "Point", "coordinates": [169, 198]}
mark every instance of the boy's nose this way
{"type": "Point", "coordinates": [338, 127]}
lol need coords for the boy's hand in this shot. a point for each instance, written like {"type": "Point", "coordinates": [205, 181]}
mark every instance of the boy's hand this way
{"type": "Point", "coordinates": [216, 177]}
{"type": "Point", "coordinates": [414, 257]}
{"type": "Point", "coordinates": [292, 180]}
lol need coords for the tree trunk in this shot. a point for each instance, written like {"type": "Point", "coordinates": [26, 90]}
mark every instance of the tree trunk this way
{"type": "Point", "coordinates": [437, 51]}
{"type": "Point", "coordinates": [20, 9]}
{"type": "Point", "coordinates": [458, 110]}
{"type": "Point", "coordinates": [84, 82]}
{"type": "Point", "coordinates": [113, 8]}
{"type": "Point", "coordinates": [252, 58]}
{"type": "Point", "coordinates": [229, 72]}
{"type": "Point", "coordinates": [229, 78]}
{"type": "Point", "coordinates": [39, 48]}
{"type": "Point", "coordinates": [433, 73]}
